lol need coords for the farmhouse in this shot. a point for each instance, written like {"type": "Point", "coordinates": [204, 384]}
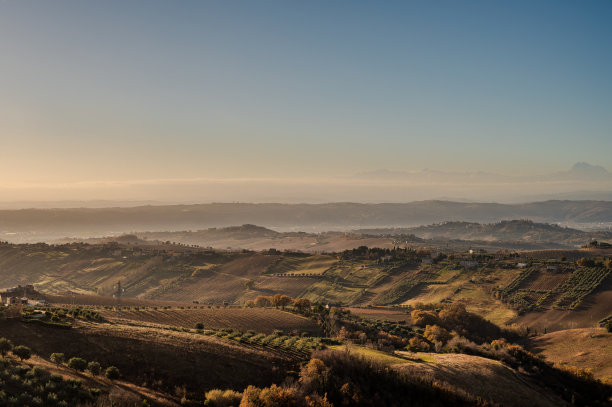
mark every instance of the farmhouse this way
{"type": "Point", "coordinates": [17, 295]}
{"type": "Point", "coordinates": [8, 299]}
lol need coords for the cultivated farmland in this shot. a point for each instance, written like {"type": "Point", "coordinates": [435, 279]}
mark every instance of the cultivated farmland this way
{"type": "Point", "coordinates": [242, 319]}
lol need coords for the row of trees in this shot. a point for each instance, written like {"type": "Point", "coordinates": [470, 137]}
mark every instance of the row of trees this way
{"type": "Point", "coordinates": [79, 365]}
{"type": "Point", "coordinates": [279, 300]}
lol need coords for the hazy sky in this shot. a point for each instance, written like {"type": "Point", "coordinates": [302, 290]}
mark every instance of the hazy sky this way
{"type": "Point", "coordinates": [138, 90]}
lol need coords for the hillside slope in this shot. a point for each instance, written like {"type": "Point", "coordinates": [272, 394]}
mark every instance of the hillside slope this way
{"type": "Point", "coordinates": [549, 290]}
{"type": "Point", "coordinates": [488, 379]}
{"type": "Point", "coordinates": [587, 348]}
{"type": "Point", "coordinates": [145, 355]}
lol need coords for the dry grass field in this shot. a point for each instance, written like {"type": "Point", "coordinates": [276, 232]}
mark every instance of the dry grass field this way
{"type": "Point", "coordinates": [488, 379]}
{"type": "Point", "coordinates": [587, 348]}
{"type": "Point", "coordinates": [223, 282]}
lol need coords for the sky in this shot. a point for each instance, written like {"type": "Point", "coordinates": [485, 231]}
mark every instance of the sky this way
{"type": "Point", "coordinates": [99, 93]}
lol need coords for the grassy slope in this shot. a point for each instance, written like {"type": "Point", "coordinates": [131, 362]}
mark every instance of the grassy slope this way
{"type": "Point", "coordinates": [150, 355]}
{"type": "Point", "coordinates": [481, 377]}
{"type": "Point", "coordinates": [587, 348]}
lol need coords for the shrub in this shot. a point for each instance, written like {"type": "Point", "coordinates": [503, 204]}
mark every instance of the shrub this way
{"type": "Point", "coordinates": [22, 352]}
{"type": "Point", "coordinates": [459, 344]}
{"type": "Point", "coordinates": [112, 373]}
{"type": "Point", "coordinates": [221, 398]}
{"type": "Point", "coordinates": [435, 333]}
{"type": "Point", "coordinates": [94, 368]}
{"type": "Point", "coordinates": [585, 262]}
{"type": "Point", "coordinates": [418, 344]}
{"type": "Point", "coordinates": [250, 396]}
{"type": "Point", "coordinates": [199, 326]}
{"type": "Point", "coordinates": [302, 304]}
{"type": "Point", "coordinates": [582, 374]}
{"type": "Point", "coordinates": [262, 301]}
{"type": "Point", "coordinates": [279, 396]}
{"type": "Point", "coordinates": [5, 346]}
{"type": "Point", "coordinates": [78, 364]}
{"type": "Point", "coordinates": [424, 318]}
{"type": "Point", "coordinates": [58, 358]}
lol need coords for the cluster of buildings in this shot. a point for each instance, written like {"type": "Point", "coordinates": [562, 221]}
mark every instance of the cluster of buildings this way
{"type": "Point", "coordinates": [19, 295]}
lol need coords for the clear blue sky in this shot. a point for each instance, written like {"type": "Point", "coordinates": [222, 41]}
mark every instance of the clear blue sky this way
{"type": "Point", "coordinates": [121, 90]}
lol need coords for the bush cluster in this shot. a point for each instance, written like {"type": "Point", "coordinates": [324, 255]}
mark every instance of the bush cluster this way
{"type": "Point", "coordinates": [22, 385]}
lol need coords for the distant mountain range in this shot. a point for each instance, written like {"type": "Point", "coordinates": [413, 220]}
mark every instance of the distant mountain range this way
{"type": "Point", "coordinates": [46, 224]}
{"type": "Point", "coordinates": [579, 172]}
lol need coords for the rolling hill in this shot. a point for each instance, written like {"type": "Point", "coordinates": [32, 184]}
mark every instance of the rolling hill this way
{"type": "Point", "coordinates": [512, 234]}
{"type": "Point", "coordinates": [503, 231]}
{"type": "Point", "coordinates": [30, 225]}
{"type": "Point", "coordinates": [542, 289]}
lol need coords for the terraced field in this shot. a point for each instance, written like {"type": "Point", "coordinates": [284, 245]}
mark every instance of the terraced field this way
{"type": "Point", "coordinates": [216, 283]}
{"type": "Point", "coordinates": [292, 286]}
{"type": "Point", "coordinates": [324, 291]}
{"type": "Point", "coordinates": [580, 284]}
{"type": "Point", "coordinates": [547, 281]}
{"type": "Point", "coordinates": [311, 265]}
